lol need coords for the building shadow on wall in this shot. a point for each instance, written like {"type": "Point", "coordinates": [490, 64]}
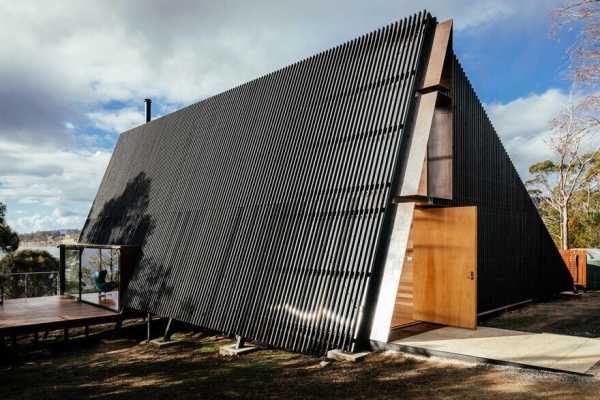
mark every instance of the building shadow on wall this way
{"type": "Point", "coordinates": [125, 220]}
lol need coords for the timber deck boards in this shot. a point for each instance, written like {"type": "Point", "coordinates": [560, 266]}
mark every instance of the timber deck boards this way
{"type": "Point", "coordinates": [49, 313]}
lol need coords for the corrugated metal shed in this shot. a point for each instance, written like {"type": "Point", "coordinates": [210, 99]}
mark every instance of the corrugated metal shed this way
{"type": "Point", "coordinates": [259, 210]}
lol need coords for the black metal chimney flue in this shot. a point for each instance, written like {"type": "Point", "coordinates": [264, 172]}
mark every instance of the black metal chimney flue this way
{"type": "Point", "coordinates": [148, 103]}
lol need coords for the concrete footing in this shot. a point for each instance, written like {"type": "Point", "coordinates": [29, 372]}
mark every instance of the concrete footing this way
{"type": "Point", "coordinates": [114, 341]}
{"type": "Point", "coordinates": [160, 343]}
{"type": "Point", "coordinates": [340, 355]}
{"type": "Point", "coordinates": [233, 351]}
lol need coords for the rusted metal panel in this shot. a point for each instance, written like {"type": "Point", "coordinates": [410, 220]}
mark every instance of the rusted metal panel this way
{"type": "Point", "coordinates": [412, 183]}
{"type": "Point", "coordinates": [440, 153]}
{"type": "Point", "coordinates": [431, 136]}
{"type": "Point", "coordinates": [436, 76]}
{"type": "Point", "coordinates": [576, 262]}
{"type": "Point", "coordinates": [428, 168]}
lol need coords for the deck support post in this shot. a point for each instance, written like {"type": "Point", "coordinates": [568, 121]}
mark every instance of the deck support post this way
{"type": "Point", "coordinates": [238, 348]}
{"type": "Point", "coordinates": [14, 340]}
{"type": "Point", "coordinates": [165, 340]}
{"type": "Point", "coordinates": [239, 341]}
{"type": "Point", "coordinates": [36, 337]}
{"type": "Point", "coordinates": [168, 331]}
{"type": "Point", "coordinates": [66, 334]}
{"type": "Point", "coordinates": [148, 327]}
{"type": "Point", "coordinates": [87, 330]}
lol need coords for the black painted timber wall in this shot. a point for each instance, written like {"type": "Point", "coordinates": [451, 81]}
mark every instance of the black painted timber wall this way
{"type": "Point", "coordinates": [517, 259]}
{"type": "Point", "coordinates": [259, 210]}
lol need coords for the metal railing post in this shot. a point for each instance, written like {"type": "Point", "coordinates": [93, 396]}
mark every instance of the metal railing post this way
{"type": "Point", "coordinates": [80, 274]}
{"type": "Point", "coordinates": [62, 275]}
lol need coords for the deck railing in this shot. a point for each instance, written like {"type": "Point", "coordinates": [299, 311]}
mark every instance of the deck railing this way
{"type": "Point", "coordinates": [28, 287]}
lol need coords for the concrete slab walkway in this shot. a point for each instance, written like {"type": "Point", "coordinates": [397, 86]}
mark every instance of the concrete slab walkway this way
{"type": "Point", "coordinates": [540, 350]}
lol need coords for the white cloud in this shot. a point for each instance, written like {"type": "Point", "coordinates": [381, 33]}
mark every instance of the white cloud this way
{"type": "Point", "coordinates": [63, 61]}
{"type": "Point", "coordinates": [117, 121]}
{"type": "Point", "coordinates": [480, 13]}
{"type": "Point", "coordinates": [527, 116]}
{"type": "Point", "coordinates": [37, 200]}
{"type": "Point", "coordinates": [56, 220]}
{"type": "Point", "coordinates": [523, 125]}
{"type": "Point", "coordinates": [125, 50]}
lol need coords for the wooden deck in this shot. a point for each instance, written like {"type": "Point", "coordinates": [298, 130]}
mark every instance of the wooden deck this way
{"type": "Point", "coordinates": [20, 316]}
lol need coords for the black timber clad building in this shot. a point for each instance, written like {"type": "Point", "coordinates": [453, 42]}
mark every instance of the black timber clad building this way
{"type": "Point", "coordinates": [267, 211]}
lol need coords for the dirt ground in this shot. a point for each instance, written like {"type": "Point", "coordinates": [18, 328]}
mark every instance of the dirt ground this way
{"type": "Point", "coordinates": [94, 368]}
{"type": "Point", "coordinates": [569, 314]}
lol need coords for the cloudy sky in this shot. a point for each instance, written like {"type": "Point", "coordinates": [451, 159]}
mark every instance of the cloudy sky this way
{"type": "Point", "coordinates": [74, 74]}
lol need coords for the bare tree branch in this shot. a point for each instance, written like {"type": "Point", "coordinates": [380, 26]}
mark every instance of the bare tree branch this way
{"type": "Point", "coordinates": [572, 129]}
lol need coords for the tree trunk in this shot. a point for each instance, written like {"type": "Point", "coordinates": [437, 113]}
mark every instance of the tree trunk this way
{"type": "Point", "coordinates": [564, 228]}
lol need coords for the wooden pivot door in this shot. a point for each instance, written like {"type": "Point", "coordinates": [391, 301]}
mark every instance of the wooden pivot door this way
{"type": "Point", "coordinates": [445, 266]}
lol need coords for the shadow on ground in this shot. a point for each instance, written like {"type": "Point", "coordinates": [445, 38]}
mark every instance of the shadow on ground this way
{"type": "Point", "coordinates": [193, 369]}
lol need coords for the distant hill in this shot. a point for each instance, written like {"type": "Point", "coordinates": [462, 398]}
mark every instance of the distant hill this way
{"type": "Point", "coordinates": [51, 237]}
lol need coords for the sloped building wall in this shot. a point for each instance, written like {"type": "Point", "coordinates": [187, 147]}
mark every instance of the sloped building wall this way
{"type": "Point", "coordinates": [517, 259]}
{"type": "Point", "coordinates": [259, 210]}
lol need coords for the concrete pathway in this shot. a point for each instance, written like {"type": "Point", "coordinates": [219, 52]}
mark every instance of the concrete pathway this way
{"type": "Point", "coordinates": [541, 350]}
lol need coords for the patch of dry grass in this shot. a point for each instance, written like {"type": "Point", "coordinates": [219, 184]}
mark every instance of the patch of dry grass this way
{"type": "Point", "coordinates": [193, 369]}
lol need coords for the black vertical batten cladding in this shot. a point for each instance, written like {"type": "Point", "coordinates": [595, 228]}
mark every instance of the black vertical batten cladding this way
{"type": "Point", "coordinates": [517, 259]}
{"type": "Point", "coordinates": [260, 210]}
